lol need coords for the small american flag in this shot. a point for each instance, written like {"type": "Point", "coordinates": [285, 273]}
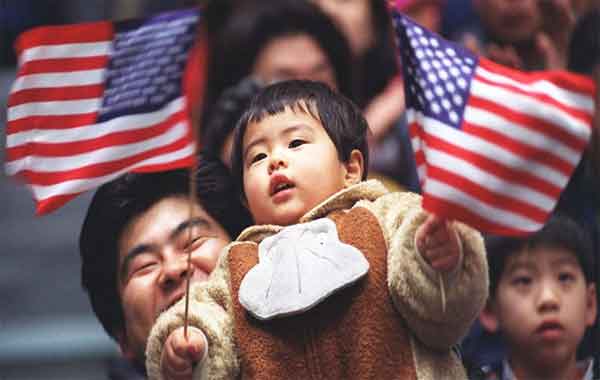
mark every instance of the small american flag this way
{"type": "Point", "coordinates": [494, 146]}
{"type": "Point", "coordinates": [93, 101]}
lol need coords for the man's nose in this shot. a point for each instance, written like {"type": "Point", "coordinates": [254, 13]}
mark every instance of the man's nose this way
{"type": "Point", "coordinates": [174, 272]}
{"type": "Point", "coordinates": [549, 298]}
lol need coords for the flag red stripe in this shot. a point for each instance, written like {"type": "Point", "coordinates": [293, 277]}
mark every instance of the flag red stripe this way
{"type": "Point", "coordinates": [517, 147]}
{"type": "Point", "coordinates": [63, 65]}
{"type": "Point", "coordinates": [564, 79]}
{"type": "Point", "coordinates": [451, 210]}
{"type": "Point", "coordinates": [55, 94]}
{"type": "Point", "coordinates": [486, 196]}
{"type": "Point", "coordinates": [65, 34]}
{"type": "Point", "coordinates": [100, 169]}
{"type": "Point", "coordinates": [530, 122]}
{"type": "Point", "coordinates": [513, 175]}
{"type": "Point", "coordinates": [84, 146]}
{"type": "Point", "coordinates": [576, 113]}
{"type": "Point", "coordinates": [182, 163]}
{"type": "Point", "coordinates": [51, 122]}
{"type": "Point", "coordinates": [50, 204]}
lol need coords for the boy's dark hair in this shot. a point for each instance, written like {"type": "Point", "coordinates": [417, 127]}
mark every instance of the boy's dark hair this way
{"type": "Point", "coordinates": [252, 24]}
{"type": "Point", "coordinates": [341, 119]}
{"type": "Point", "coordinates": [116, 203]}
{"type": "Point", "coordinates": [559, 232]}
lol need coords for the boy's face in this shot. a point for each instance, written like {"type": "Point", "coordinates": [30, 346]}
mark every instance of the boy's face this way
{"type": "Point", "coordinates": [290, 165]}
{"type": "Point", "coordinates": [152, 264]}
{"type": "Point", "coordinates": [542, 305]}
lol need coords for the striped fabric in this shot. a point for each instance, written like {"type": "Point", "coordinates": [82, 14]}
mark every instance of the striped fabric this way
{"type": "Point", "coordinates": [93, 101]}
{"type": "Point", "coordinates": [494, 146]}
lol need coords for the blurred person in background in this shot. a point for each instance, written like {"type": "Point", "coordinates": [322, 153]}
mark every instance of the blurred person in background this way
{"type": "Point", "coordinates": [377, 86]}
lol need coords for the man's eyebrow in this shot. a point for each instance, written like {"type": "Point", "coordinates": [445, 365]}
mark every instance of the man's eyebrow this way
{"type": "Point", "coordinates": [133, 253]}
{"type": "Point", "coordinates": [198, 221]}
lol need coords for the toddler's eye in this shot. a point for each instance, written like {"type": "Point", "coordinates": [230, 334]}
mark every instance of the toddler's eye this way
{"type": "Point", "coordinates": [296, 143]}
{"type": "Point", "coordinates": [566, 277]}
{"type": "Point", "coordinates": [258, 157]}
{"type": "Point", "coordinates": [521, 281]}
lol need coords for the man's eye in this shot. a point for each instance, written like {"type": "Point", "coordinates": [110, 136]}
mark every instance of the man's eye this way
{"type": "Point", "coordinates": [258, 157]}
{"type": "Point", "coordinates": [141, 268]}
{"type": "Point", "coordinates": [296, 143]}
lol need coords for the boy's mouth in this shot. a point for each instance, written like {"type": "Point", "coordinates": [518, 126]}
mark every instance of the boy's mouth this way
{"type": "Point", "coordinates": [279, 183]}
{"type": "Point", "coordinates": [550, 329]}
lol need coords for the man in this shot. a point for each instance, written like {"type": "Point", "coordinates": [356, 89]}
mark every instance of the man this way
{"type": "Point", "coordinates": [134, 243]}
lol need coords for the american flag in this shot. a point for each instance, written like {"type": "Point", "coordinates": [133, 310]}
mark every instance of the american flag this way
{"type": "Point", "coordinates": [93, 101]}
{"type": "Point", "coordinates": [494, 146]}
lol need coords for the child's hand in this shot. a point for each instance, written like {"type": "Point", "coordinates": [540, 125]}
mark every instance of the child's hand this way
{"type": "Point", "coordinates": [438, 244]}
{"type": "Point", "coordinates": [180, 354]}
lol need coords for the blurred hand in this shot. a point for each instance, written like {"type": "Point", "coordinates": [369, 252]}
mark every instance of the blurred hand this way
{"type": "Point", "coordinates": [180, 354]}
{"type": "Point", "coordinates": [385, 110]}
{"type": "Point", "coordinates": [438, 243]}
{"type": "Point", "coordinates": [558, 20]}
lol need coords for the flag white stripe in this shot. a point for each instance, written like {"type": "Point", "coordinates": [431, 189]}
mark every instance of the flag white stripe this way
{"type": "Point", "coordinates": [57, 80]}
{"type": "Point", "coordinates": [492, 151]}
{"type": "Point", "coordinates": [80, 185]}
{"type": "Point", "coordinates": [535, 108]}
{"type": "Point", "coordinates": [493, 214]}
{"type": "Point", "coordinates": [109, 154]}
{"type": "Point", "coordinates": [526, 136]}
{"type": "Point", "coordinates": [119, 124]}
{"type": "Point", "coordinates": [488, 180]}
{"type": "Point", "coordinates": [84, 49]}
{"type": "Point", "coordinates": [543, 87]}
{"type": "Point", "coordinates": [54, 108]}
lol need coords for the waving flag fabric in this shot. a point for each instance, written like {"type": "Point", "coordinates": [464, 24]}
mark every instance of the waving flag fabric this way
{"type": "Point", "coordinates": [93, 101]}
{"type": "Point", "coordinates": [494, 146]}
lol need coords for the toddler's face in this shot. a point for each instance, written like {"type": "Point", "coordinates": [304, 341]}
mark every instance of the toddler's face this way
{"type": "Point", "coordinates": [290, 165]}
{"type": "Point", "coordinates": [543, 304]}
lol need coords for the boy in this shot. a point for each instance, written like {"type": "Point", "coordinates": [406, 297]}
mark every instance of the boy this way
{"type": "Point", "coordinates": [341, 292]}
{"type": "Point", "coordinates": [542, 299]}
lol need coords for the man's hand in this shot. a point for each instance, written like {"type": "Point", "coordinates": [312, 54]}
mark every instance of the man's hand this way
{"type": "Point", "coordinates": [437, 242]}
{"type": "Point", "coordinates": [180, 354]}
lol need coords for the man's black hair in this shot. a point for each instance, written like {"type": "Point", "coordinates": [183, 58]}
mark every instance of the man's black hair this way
{"type": "Point", "coordinates": [116, 203]}
{"type": "Point", "coordinates": [559, 232]}
{"type": "Point", "coordinates": [342, 120]}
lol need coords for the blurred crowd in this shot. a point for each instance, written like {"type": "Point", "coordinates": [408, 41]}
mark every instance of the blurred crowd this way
{"type": "Point", "coordinates": [350, 46]}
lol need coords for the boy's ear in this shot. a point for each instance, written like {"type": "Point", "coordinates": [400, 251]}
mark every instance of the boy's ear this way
{"type": "Point", "coordinates": [355, 167]}
{"type": "Point", "coordinates": [488, 318]}
{"type": "Point", "coordinates": [591, 309]}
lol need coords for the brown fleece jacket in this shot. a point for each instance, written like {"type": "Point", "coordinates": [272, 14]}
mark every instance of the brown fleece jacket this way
{"type": "Point", "coordinates": [390, 324]}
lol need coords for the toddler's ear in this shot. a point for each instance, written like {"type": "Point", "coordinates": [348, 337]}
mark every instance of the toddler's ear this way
{"type": "Point", "coordinates": [488, 318]}
{"type": "Point", "coordinates": [355, 167]}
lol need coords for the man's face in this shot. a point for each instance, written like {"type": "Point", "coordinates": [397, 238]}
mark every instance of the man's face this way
{"type": "Point", "coordinates": [152, 265]}
{"type": "Point", "coordinates": [543, 305]}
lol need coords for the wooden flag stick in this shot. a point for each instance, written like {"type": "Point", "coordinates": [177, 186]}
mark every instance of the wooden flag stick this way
{"type": "Point", "coordinates": [192, 198]}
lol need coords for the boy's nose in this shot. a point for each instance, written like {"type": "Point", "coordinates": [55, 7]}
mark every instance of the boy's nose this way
{"type": "Point", "coordinates": [548, 298]}
{"type": "Point", "coordinates": [276, 162]}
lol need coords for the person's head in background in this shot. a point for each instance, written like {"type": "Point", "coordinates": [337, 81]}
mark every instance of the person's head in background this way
{"type": "Point", "coordinates": [542, 298]}
{"type": "Point", "coordinates": [133, 245]}
{"type": "Point", "coordinates": [298, 143]}
{"type": "Point", "coordinates": [272, 41]}
{"type": "Point", "coordinates": [366, 25]}
{"type": "Point", "coordinates": [509, 21]}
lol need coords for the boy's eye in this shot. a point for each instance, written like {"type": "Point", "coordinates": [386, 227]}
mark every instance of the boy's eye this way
{"type": "Point", "coordinates": [522, 281]}
{"type": "Point", "coordinates": [258, 157]}
{"type": "Point", "coordinates": [296, 143]}
{"type": "Point", "coordinates": [566, 277]}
